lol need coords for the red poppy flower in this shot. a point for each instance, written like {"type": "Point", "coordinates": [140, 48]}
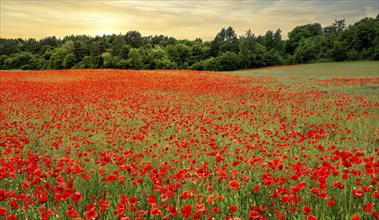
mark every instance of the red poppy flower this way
{"type": "Point", "coordinates": [133, 200]}
{"type": "Point", "coordinates": [3, 212]}
{"type": "Point", "coordinates": [368, 207]}
{"type": "Point", "coordinates": [355, 217]}
{"type": "Point", "coordinates": [60, 180]}
{"type": "Point", "coordinates": [155, 212]}
{"type": "Point", "coordinates": [91, 214]}
{"type": "Point", "coordinates": [331, 202]}
{"type": "Point", "coordinates": [104, 203]}
{"type": "Point", "coordinates": [254, 214]}
{"type": "Point", "coordinates": [358, 192]}
{"type": "Point", "coordinates": [76, 197]}
{"type": "Point", "coordinates": [197, 215]}
{"type": "Point", "coordinates": [11, 217]}
{"type": "Point", "coordinates": [173, 211]}
{"type": "Point", "coordinates": [72, 213]}
{"type": "Point", "coordinates": [256, 188]}
{"type": "Point", "coordinates": [186, 211]}
{"type": "Point", "coordinates": [25, 184]}
{"type": "Point", "coordinates": [219, 158]}
{"type": "Point", "coordinates": [200, 207]}
{"type": "Point", "coordinates": [233, 209]}
{"type": "Point", "coordinates": [338, 185]}
{"type": "Point", "coordinates": [234, 185]}
{"type": "Point", "coordinates": [42, 199]}
{"type": "Point", "coordinates": [307, 210]}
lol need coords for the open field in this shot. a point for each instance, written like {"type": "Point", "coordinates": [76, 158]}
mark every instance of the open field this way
{"type": "Point", "coordinates": [300, 142]}
{"type": "Point", "coordinates": [361, 69]}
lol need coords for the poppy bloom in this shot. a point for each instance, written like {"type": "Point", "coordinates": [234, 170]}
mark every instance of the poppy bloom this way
{"type": "Point", "coordinates": [256, 188]}
{"type": "Point", "coordinates": [355, 217]}
{"type": "Point", "coordinates": [254, 214]}
{"type": "Point", "coordinates": [331, 202]}
{"type": "Point", "coordinates": [233, 209]}
{"type": "Point", "coordinates": [197, 215]}
{"type": "Point", "coordinates": [368, 207]}
{"type": "Point", "coordinates": [3, 212]}
{"type": "Point", "coordinates": [76, 197]}
{"type": "Point", "coordinates": [11, 217]}
{"type": "Point", "coordinates": [307, 210]}
{"type": "Point", "coordinates": [72, 213]}
{"type": "Point", "coordinates": [155, 212]}
{"type": "Point", "coordinates": [200, 207]}
{"type": "Point", "coordinates": [311, 217]}
{"type": "Point", "coordinates": [25, 184]}
{"type": "Point", "coordinates": [358, 192]}
{"type": "Point", "coordinates": [186, 211]}
{"type": "Point", "coordinates": [42, 199]}
{"type": "Point", "coordinates": [133, 200]}
{"type": "Point", "coordinates": [120, 211]}
{"type": "Point", "coordinates": [375, 215]}
{"type": "Point", "coordinates": [60, 180]}
{"type": "Point", "coordinates": [91, 214]}
{"type": "Point", "coordinates": [173, 211]}
{"type": "Point", "coordinates": [219, 158]}
{"type": "Point", "coordinates": [104, 203]}
{"type": "Point", "coordinates": [234, 184]}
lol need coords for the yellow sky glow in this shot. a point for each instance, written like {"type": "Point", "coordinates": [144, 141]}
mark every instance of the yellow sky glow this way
{"type": "Point", "coordinates": [179, 19]}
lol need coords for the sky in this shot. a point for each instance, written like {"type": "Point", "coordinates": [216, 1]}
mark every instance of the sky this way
{"type": "Point", "coordinates": [189, 19]}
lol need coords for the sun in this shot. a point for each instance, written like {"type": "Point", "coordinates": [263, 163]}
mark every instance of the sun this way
{"type": "Point", "coordinates": [105, 25]}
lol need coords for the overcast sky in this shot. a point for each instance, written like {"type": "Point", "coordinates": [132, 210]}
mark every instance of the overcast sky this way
{"type": "Point", "coordinates": [179, 19]}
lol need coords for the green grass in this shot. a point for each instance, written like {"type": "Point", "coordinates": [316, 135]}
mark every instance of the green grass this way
{"type": "Point", "coordinates": [320, 70]}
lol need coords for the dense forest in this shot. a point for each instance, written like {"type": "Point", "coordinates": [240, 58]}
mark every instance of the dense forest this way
{"type": "Point", "coordinates": [305, 44]}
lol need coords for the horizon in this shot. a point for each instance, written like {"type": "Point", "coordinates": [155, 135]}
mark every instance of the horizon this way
{"type": "Point", "coordinates": [179, 19]}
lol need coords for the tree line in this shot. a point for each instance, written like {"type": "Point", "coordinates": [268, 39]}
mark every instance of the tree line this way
{"type": "Point", "coordinates": [308, 43]}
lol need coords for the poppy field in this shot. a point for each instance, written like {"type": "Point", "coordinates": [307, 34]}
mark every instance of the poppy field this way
{"type": "Point", "coordinates": [181, 144]}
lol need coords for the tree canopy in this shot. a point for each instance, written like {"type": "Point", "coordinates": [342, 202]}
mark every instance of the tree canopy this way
{"type": "Point", "coordinates": [306, 43]}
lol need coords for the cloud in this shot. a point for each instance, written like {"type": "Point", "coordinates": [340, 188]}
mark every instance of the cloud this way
{"type": "Point", "coordinates": [180, 19]}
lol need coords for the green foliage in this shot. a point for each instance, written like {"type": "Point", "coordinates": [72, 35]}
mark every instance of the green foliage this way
{"type": "Point", "coordinates": [69, 61]}
{"type": "Point", "coordinates": [118, 45]}
{"type": "Point", "coordinates": [57, 58]}
{"type": "Point", "coordinates": [337, 27]}
{"type": "Point", "coordinates": [228, 61]}
{"type": "Point", "coordinates": [179, 53]}
{"type": "Point", "coordinates": [210, 64]}
{"type": "Point", "coordinates": [90, 62]}
{"type": "Point", "coordinates": [251, 52]}
{"type": "Point", "coordinates": [300, 33]}
{"type": "Point", "coordinates": [23, 60]}
{"type": "Point", "coordinates": [338, 52]}
{"type": "Point", "coordinates": [197, 66]}
{"type": "Point", "coordinates": [272, 57]}
{"type": "Point", "coordinates": [8, 47]}
{"type": "Point", "coordinates": [135, 60]}
{"type": "Point", "coordinates": [108, 60]}
{"type": "Point", "coordinates": [307, 51]}
{"type": "Point", "coordinates": [363, 37]}
{"type": "Point", "coordinates": [306, 44]}
{"type": "Point", "coordinates": [158, 59]}
{"type": "Point", "coordinates": [225, 40]}
{"type": "Point", "coordinates": [134, 39]}
{"type": "Point", "coordinates": [199, 51]}
{"type": "Point", "coordinates": [247, 50]}
{"type": "Point", "coordinates": [124, 53]}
